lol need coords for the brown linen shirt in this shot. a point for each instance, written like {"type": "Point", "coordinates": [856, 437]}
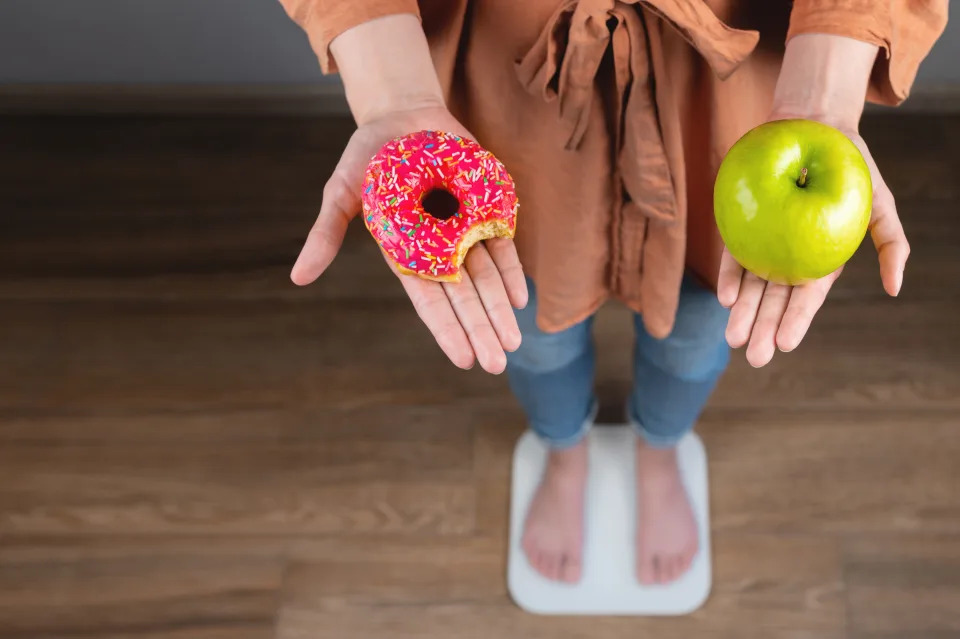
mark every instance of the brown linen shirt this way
{"type": "Point", "coordinates": [613, 117]}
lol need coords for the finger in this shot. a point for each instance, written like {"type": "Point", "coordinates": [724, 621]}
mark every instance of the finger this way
{"type": "Point", "coordinates": [890, 240]}
{"type": "Point", "coordinates": [728, 282]}
{"type": "Point", "coordinates": [490, 286]}
{"type": "Point", "coordinates": [804, 303]}
{"type": "Point", "coordinates": [744, 310]}
{"type": "Point", "coordinates": [433, 308]}
{"type": "Point", "coordinates": [764, 333]}
{"type": "Point", "coordinates": [341, 202]}
{"type": "Point", "coordinates": [473, 318]}
{"type": "Point", "coordinates": [504, 254]}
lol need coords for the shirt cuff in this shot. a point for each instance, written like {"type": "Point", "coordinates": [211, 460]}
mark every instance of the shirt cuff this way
{"type": "Point", "coordinates": [905, 33]}
{"type": "Point", "coordinates": [324, 20]}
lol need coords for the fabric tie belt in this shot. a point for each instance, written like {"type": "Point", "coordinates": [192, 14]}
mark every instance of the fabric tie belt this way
{"type": "Point", "coordinates": [566, 58]}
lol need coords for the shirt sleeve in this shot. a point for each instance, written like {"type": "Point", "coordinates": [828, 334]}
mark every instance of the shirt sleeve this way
{"type": "Point", "coordinates": [905, 31]}
{"type": "Point", "coordinates": [324, 20]}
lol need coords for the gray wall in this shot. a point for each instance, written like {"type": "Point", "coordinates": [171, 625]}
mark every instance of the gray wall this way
{"type": "Point", "coordinates": [942, 67]}
{"type": "Point", "coordinates": [152, 42]}
{"type": "Point", "coordinates": [204, 41]}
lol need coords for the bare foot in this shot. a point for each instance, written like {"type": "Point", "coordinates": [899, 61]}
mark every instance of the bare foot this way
{"type": "Point", "coordinates": [553, 533]}
{"type": "Point", "coordinates": [667, 538]}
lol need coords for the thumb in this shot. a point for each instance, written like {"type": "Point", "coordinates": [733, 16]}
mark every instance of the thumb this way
{"type": "Point", "coordinates": [341, 203]}
{"type": "Point", "coordinates": [885, 227]}
{"type": "Point", "coordinates": [890, 241]}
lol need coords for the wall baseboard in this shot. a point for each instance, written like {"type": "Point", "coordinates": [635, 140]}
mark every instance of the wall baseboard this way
{"type": "Point", "coordinates": [257, 100]}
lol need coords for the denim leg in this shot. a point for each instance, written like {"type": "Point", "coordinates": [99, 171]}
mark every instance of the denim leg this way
{"type": "Point", "coordinates": [551, 375]}
{"type": "Point", "coordinates": [674, 377]}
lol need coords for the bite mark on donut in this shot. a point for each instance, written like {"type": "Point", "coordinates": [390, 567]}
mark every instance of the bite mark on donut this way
{"type": "Point", "coordinates": [478, 233]}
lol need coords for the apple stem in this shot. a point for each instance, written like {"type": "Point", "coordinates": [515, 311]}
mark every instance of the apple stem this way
{"type": "Point", "coordinates": [802, 180]}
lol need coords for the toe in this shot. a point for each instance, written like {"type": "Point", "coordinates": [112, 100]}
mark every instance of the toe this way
{"type": "Point", "coordinates": [544, 565]}
{"type": "Point", "coordinates": [679, 567]}
{"type": "Point", "coordinates": [548, 565]}
{"type": "Point", "coordinates": [570, 570]}
{"type": "Point", "coordinates": [557, 568]}
{"type": "Point", "coordinates": [645, 570]}
{"type": "Point", "coordinates": [658, 569]}
{"type": "Point", "coordinates": [667, 569]}
{"type": "Point", "coordinates": [529, 549]}
{"type": "Point", "coordinates": [536, 560]}
{"type": "Point", "coordinates": [532, 552]}
{"type": "Point", "coordinates": [644, 567]}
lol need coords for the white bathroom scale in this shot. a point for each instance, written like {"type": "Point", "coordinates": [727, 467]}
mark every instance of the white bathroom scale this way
{"type": "Point", "coordinates": [608, 585]}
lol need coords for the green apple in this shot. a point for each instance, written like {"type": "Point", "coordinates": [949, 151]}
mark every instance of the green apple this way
{"type": "Point", "coordinates": [792, 200]}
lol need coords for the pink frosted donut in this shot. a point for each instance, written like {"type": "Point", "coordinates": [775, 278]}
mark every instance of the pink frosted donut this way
{"type": "Point", "coordinates": [409, 169]}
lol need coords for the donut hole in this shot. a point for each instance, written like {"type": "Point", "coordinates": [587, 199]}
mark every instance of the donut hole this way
{"type": "Point", "coordinates": [440, 203]}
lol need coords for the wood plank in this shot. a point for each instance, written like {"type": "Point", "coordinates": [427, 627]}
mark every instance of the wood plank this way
{"type": "Point", "coordinates": [496, 432]}
{"type": "Point", "coordinates": [765, 586]}
{"type": "Point", "coordinates": [190, 356]}
{"type": "Point", "coordinates": [182, 273]}
{"type": "Point", "coordinates": [282, 474]}
{"type": "Point", "coordinates": [393, 569]}
{"type": "Point", "coordinates": [828, 473]}
{"type": "Point", "coordinates": [851, 360]}
{"type": "Point", "coordinates": [901, 586]}
{"type": "Point", "coordinates": [124, 587]}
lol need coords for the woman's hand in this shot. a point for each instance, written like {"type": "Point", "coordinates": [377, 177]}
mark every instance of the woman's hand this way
{"type": "Point", "coordinates": [470, 320]}
{"type": "Point", "coordinates": [767, 316]}
{"type": "Point", "coordinates": [393, 90]}
{"type": "Point", "coordinates": [775, 316]}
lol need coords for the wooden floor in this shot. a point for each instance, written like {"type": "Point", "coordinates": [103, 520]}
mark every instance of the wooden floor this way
{"type": "Point", "coordinates": [191, 447]}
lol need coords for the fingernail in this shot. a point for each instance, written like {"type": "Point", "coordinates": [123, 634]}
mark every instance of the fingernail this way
{"type": "Point", "coordinates": [899, 280]}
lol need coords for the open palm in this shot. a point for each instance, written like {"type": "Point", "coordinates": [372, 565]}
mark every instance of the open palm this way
{"type": "Point", "coordinates": [767, 316]}
{"type": "Point", "coordinates": [471, 320]}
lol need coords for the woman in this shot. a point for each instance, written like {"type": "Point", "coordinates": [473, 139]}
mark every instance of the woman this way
{"type": "Point", "coordinates": [613, 117]}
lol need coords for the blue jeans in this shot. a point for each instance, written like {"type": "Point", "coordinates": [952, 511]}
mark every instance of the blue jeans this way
{"type": "Point", "coordinates": [551, 374]}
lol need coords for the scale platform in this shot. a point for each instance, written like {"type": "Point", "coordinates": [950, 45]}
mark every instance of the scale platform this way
{"type": "Point", "coordinates": [609, 585]}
